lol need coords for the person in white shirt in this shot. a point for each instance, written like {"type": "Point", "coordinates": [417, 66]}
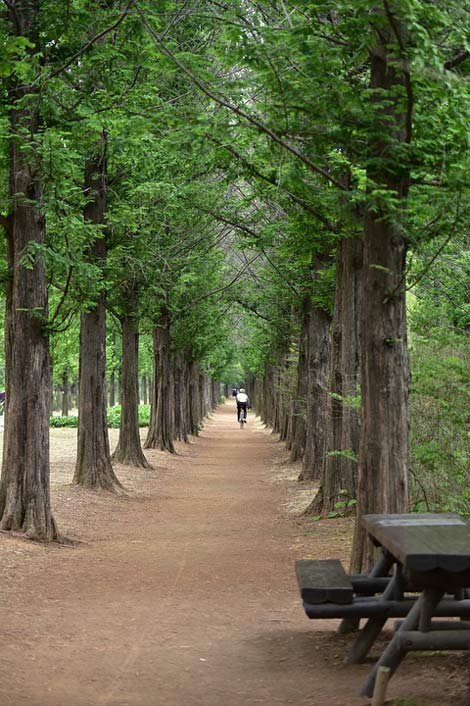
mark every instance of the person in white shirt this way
{"type": "Point", "coordinates": [242, 403]}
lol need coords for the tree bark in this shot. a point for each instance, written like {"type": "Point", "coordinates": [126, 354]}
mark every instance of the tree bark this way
{"type": "Point", "coordinates": [269, 395]}
{"type": "Point", "coordinates": [93, 467]}
{"type": "Point", "coordinates": [24, 487]}
{"type": "Point", "coordinates": [201, 397]}
{"type": "Point", "coordinates": [112, 389]}
{"type": "Point", "coordinates": [161, 431]}
{"type": "Point", "coordinates": [194, 403]}
{"type": "Point", "coordinates": [179, 375]}
{"type": "Point", "coordinates": [299, 411]}
{"type": "Point", "coordinates": [383, 455]}
{"type": "Point", "coordinates": [144, 389]}
{"type": "Point", "coordinates": [129, 449]}
{"type": "Point", "coordinates": [216, 394]}
{"type": "Point", "coordinates": [66, 394]}
{"type": "Point", "coordinates": [318, 368]}
{"type": "Point", "coordinates": [339, 472]}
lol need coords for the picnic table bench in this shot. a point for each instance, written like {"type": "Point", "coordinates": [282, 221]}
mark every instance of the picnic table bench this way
{"type": "Point", "coordinates": [423, 573]}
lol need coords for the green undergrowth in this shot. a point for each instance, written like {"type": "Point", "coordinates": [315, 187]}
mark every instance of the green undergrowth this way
{"type": "Point", "coordinates": [114, 418]}
{"type": "Point", "coordinates": [440, 425]}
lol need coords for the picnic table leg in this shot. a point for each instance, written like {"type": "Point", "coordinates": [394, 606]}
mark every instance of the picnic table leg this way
{"type": "Point", "coordinates": [349, 625]}
{"type": "Point", "coordinates": [381, 568]}
{"type": "Point", "coordinates": [432, 598]}
{"type": "Point", "coordinates": [371, 630]}
{"type": "Point", "coordinates": [395, 651]}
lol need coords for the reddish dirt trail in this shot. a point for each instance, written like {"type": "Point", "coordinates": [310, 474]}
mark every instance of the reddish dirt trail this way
{"type": "Point", "coordinates": [181, 594]}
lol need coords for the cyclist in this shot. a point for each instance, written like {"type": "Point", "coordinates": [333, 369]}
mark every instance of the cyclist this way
{"type": "Point", "coordinates": [242, 403]}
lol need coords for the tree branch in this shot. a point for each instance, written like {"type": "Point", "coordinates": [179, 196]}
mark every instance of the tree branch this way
{"type": "Point", "coordinates": [89, 44]}
{"type": "Point", "coordinates": [285, 280]}
{"type": "Point", "coordinates": [297, 199]}
{"type": "Point", "coordinates": [253, 309]}
{"type": "Point", "coordinates": [406, 72]}
{"type": "Point", "coordinates": [236, 109]}
{"type": "Point", "coordinates": [227, 286]}
{"type": "Point", "coordinates": [456, 60]}
{"type": "Point", "coordinates": [250, 231]}
{"type": "Point", "coordinates": [62, 300]}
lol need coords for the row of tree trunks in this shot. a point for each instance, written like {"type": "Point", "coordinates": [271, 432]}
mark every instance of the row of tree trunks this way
{"type": "Point", "coordinates": [293, 399]}
{"type": "Point", "coordinates": [181, 396]}
{"type": "Point", "coordinates": [24, 485]}
{"type": "Point", "coordinates": [368, 459]}
{"type": "Point", "coordinates": [66, 397]}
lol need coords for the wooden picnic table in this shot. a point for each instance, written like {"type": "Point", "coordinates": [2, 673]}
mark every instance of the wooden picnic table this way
{"type": "Point", "coordinates": [430, 557]}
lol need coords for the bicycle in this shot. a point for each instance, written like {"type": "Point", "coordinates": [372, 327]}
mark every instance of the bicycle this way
{"type": "Point", "coordinates": [242, 417]}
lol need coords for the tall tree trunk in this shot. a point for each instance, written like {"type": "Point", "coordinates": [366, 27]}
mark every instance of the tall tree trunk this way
{"type": "Point", "coordinates": [383, 455]}
{"type": "Point", "coordinates": [202, 405]}
{"type": "Point", "coordinates": [129, 449]}
{"type": "Point", "coordinates": [339, 472]}
{"type": "Point", "coordinates": [194, 403]}
{"type": "Point", "coordinates": [24, 487]}
{"type": "Point", "coordinates": [276, 398]}
{"type": "Point", "coordinates": [299, 411]}
{"type": "Point", "coordinates": [257, 395]}
{"type": "Point", "coordinates": [93, 468]}
{"type": "Point", "coordinates": [66, 393]}
{"type": "Point", "coordinates": [285, 396]}
{"type": "Point", "coordinates": [216, 394]}
{"type": "Point", "coordinates": [153, 398]}
{"type": "Point", "coordinates": [161, 431]}
{"type": "Point", "coordinates": [269, 395]}
{"type": "Point", "coordinates": [112, 389]}
{"type": "Point", "coordinates": [144, 388]}
{"type": "Point", "coordinates": [317, 388]}
{"type": "Point", "coordinates": [179, 375]}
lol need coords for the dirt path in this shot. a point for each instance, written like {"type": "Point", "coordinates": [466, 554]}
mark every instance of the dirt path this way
{"type": "Point", "coordinates": [182, 593]}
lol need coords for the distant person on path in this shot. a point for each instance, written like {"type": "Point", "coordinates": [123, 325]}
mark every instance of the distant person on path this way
{"type": "Point", "coordinates": [235, 392]}
{"type": "Point", "coordinates": [242, 403]}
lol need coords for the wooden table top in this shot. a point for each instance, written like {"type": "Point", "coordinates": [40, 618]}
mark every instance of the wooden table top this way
{"type": "Point", "coordinates": [423, 542]}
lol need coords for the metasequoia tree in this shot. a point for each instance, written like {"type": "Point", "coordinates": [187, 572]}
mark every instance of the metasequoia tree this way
{"type": "Point", "coordinates": [129, 448]}
{"type": "Point", "coordinates": [383, 454]}
{"type": "Point", "coordinates": [299, 408]}
{"type": "Point", "coordinates": [338, 480]}
{"type": "Point", "coordinates": [161, 429]}
{"type": "Point", "coordinates": [93, 467]}
{"type": "Point", "coordinates": [24, 488]}
{"type": "Point", "coordinates": [318, 366]}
